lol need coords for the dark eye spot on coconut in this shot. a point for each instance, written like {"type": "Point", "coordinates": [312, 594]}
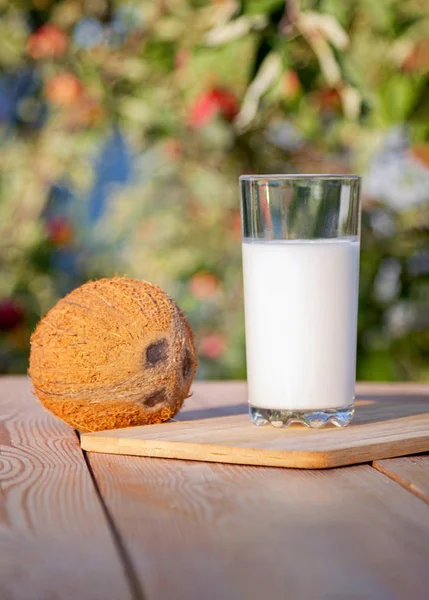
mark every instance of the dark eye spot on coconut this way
{"type": "Point", "coordinates": [157, 352]}
{"type": "Point", "coordinates": [187, 364]}
{"type": "Point", "coordinates": [155, 398]}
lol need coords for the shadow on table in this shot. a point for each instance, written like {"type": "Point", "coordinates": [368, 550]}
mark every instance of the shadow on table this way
{"type": "Point", "coordinates": [370, 408]}
{"type": "Point", "coordinates": [212, 412]}
{"type": "Point", "coordinates": [373, 408]}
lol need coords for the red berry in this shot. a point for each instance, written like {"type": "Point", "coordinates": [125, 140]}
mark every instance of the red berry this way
{"type": "Point", "coordinates": [203, 110]}
{"type": "Point", "coordinates": [11, 314]}
{"type": "Point", "coordinates": [204, 285]}
{"type": "Point", "coordinates": [291, 85]}
{"type": "Point", "coordinates": [210, 103]}
{"type": "Point", "coordinates": [212, 345]}
{"type": "Point", "coordinates": [328, 99]}
{"type": "Point", "coordinates": [47, 42]}
{"type": "Point", "coordinates": [59, 231]}
{"type": "Point", "coordinates": [227, 103]}
{"type": "Point", "coordinates": [64, 89]}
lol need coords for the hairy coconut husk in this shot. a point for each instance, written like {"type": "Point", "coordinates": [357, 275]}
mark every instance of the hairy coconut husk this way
{"type": "Point", "coordinates": [113, 353]}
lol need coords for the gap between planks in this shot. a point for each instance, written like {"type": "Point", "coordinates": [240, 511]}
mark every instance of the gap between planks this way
{"type": "Point", "coordinates": [407, 485]}
{"type": "Point", "coordinates": [136, 588]}
{"type": "Point", "coordinates": [54, 539]}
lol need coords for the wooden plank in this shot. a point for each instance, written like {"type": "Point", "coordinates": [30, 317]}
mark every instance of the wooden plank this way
{"type": "Point", "coordinates": [412, 472]}
{"type": "Point", "coordinates": [202, 530]}
{"type": "Point", "coordinates": [54, 539]}
{"type": "Point", "coordinates": [388, 423]}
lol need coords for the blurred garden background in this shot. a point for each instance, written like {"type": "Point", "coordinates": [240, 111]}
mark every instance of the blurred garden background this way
{"type": "Point", "coordinates": [125, 125]}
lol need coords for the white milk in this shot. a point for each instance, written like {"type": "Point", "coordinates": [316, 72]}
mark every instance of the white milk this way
{"type": "Point", "coordinates": [301, 317]}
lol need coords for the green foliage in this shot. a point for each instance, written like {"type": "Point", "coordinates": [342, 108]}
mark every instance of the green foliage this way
{"type": "Point", "coordinates": [258, 7]}
{"type": "Point", "coordinates": [198, 93]}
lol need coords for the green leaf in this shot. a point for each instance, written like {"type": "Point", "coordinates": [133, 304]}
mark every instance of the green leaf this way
{"type": "Point", "coordinates": [377, 366]}
{"type": "Point", "coordinates": [338, 8]}
{"type": "Point", "coordinates": [397, 98]}
{"type": "Point", "coordinates": [257, 7]}
{"type": "Point", "coordinates": [161, 54]}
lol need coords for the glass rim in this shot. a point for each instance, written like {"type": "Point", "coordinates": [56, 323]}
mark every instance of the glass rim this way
{"type": "Point", "coordinates": [292, 177]}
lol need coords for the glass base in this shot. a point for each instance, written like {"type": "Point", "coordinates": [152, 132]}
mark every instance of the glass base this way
{"type": "Point", "coordinates": [340, 417]}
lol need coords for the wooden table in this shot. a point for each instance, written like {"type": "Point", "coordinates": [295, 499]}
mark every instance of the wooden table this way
{"type": "Point", "coordinates": [76, 526]}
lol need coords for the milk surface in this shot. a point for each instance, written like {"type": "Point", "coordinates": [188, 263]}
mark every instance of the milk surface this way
{"type": "Point", "coordinates": [301, 317]}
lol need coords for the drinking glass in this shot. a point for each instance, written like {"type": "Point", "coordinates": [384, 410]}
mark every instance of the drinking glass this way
{"type": "Point", "coordinates": [301, 241]}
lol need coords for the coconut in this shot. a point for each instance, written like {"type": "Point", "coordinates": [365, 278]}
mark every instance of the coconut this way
{"type": "Point", "coordinates": [113, 353]}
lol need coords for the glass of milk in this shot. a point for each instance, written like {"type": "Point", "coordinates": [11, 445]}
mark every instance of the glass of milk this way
{"type": "Point", "coordinates": [301, 274]}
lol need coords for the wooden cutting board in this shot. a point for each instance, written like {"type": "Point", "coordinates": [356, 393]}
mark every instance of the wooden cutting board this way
{"type": "Point", "coordinates": [386, 424]}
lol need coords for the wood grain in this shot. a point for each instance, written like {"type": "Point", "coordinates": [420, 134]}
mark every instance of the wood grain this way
{"type": "Point", "coordinates": [412, 472]}
{"type": "Point", "coordinates": [388, 423]}
{"type": "Point", "coordinates": [54, 540]}
{"type": "Point", "coordinates": [200, 530]}
{"type": "Point", "coordinates": [203, 530]}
